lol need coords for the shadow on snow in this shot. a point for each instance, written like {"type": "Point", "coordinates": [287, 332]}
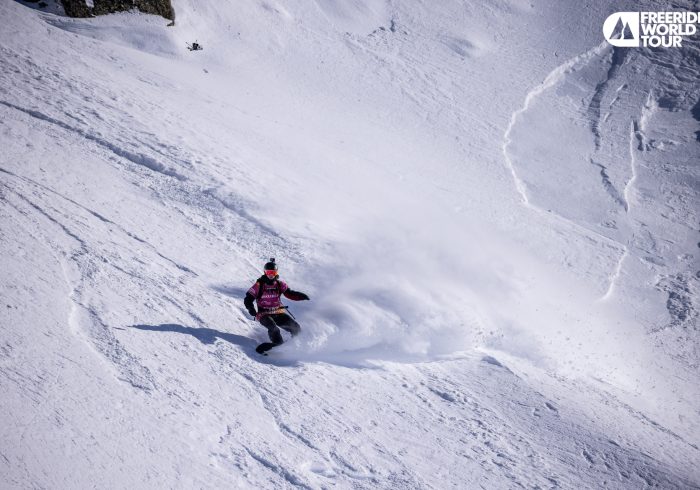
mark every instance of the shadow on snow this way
{"type": "Point", "coordinates": [209, 336]}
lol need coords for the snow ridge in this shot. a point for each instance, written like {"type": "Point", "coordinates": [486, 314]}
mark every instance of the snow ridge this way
{"type": "Point", "coordinates": [84, 320]}
{"type": "Point", "coordinates": [554, 77]}
{"type": "Point", "coordinates": [136, 158]}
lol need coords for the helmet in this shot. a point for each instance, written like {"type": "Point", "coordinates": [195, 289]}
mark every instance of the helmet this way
{"type": "Point", "coordinates": [271, 265]}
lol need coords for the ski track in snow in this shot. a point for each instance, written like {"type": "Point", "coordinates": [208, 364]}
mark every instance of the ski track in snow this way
{"type": "Point", "coordinates": [621, 193]}
{"type": "Point", "coordinates": [208, 192]}
{"type": "Point", "coordinates": [138, 159]}
{"type": "Point", "coordinates": [101, 335]}
{"type": "Point", "coordinates": [555, 77]}
{"type": "Point", "coordinates": [102, 219]}
{"type": "Point", "coordinates": [596, 119]}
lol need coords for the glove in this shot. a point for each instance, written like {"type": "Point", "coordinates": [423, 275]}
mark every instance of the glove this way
{"type": "Point", "coordinates": [304, 297]}
{"type": "Point", "coordinates": [258, 316]}
{"type": "Point", "coordinates": [252, 313]}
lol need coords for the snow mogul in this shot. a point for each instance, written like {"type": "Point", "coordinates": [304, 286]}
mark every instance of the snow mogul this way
{"type": "Point", "coordinates": [272, 314]}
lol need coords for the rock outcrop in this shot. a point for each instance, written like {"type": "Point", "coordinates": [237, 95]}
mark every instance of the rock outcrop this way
{"type": "Point", "coordinates": [79, 8]}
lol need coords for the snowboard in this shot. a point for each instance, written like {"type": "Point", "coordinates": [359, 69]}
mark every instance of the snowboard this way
{"type": "Point", "coordinates": [264, 347]}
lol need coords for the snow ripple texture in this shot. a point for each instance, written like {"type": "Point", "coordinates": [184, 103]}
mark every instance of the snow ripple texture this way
{"type": "Point", "coordinates": [499, 240]}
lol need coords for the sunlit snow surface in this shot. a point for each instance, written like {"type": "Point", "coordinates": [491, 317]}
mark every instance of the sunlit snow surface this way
{"type": "Point", "coordinates": [494, 212]}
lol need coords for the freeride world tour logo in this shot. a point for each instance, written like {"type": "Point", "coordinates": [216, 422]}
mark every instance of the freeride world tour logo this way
{"type": "Point", "coordinates": [650, 29]}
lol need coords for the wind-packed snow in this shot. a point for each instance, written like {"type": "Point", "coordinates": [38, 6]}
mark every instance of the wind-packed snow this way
{"type": "Point", "coordinates": [494, 212]}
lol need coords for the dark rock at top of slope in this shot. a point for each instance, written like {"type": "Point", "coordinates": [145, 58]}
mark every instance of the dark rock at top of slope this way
{"type": "Point", "coordinates": [76, 8]}
{"type": "Point", "coordinates": [79, 8]}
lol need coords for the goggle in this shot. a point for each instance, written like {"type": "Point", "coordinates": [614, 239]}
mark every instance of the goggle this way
{"type": "Point", "coordinates": [270, 272]}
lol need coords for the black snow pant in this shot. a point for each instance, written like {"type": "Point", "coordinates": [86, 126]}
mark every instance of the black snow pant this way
{"type": "Point", "coordinates": [277, 321]}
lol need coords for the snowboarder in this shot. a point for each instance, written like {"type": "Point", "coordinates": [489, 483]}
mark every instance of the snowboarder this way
{"type": "Point", "coordinates": [272, 314]}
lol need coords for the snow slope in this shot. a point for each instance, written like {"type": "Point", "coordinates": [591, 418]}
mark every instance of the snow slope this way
{"type": "Point", "coordinates": [494, 212]}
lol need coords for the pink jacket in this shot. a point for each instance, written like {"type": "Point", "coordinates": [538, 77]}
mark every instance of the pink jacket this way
{"type": "Point", "coordinates": [269, 299]}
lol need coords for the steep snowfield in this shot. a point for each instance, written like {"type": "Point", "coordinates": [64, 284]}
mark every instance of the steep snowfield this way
{"type": "Point", "coordinates": [494, 212]}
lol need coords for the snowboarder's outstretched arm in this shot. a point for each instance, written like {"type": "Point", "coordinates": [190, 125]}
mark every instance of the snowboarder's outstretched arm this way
{"type": "Point", "coordinates": [295, 295]}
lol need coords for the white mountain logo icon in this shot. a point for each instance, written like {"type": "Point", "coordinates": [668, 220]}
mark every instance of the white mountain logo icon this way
{"type": "Point", "coordinates": [622, 29]}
